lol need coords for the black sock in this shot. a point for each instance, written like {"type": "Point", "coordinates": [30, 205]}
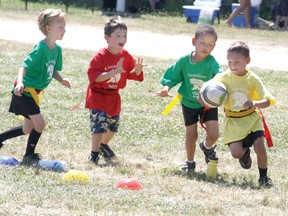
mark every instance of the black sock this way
{"type": "Point", "coordinates": [262, 172]}
{"type": "Point", "coordinates": [32, 142]}
{"type": "Point", "coordinates": [13, 132]}
{"type": "Point", "coordinates": [94, 154]}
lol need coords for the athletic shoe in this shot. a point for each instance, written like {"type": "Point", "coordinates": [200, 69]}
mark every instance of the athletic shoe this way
{"type": "Point", "coordinates": [265, 181]}
{"type": "Point", "coordinates": [246, 161]}
{"type": "Point", "coordinates": [93, 158]}
{"type": "Point", "coordinates": [187, 167]}
{"type": "Point", "coordinates": [31, 159]}
{"type": "Point", "coordinates": [210, 154]}
{"type": "Point", "coordinates": [106, 152]}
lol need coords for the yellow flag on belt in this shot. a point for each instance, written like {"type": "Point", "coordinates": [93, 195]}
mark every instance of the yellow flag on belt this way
{"type": "Point", "coordinates": [32, 91]}
{"type": "Point", "coordinates": [175, 100]}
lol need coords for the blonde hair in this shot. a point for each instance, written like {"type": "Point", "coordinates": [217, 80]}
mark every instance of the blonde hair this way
{"type": "Point", "coordinates": [48, 16]}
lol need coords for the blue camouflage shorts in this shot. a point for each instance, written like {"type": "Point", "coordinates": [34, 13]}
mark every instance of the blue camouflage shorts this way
{"type": "Point", "coordinates": [101, 122]}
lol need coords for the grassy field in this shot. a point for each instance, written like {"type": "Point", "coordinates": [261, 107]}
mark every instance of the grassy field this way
{"type": "Point", "coordinates": [149, 146]}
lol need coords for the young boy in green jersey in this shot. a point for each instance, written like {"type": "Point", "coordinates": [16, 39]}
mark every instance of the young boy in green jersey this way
{"type": "Point", "coordinates": [191, 71]}
{"type": "Point", "coordinates": [38, 69]}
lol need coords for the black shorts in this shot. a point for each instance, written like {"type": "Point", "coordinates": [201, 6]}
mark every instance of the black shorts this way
{"type": "Point", "coordinates": [23, 105]}
{"type": "Point", "coordinates": [192, 116]}
{"type": "Point", "coordinates": [250, 138]}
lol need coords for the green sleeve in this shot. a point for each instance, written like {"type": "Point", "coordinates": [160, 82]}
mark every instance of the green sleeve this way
{"type": "Point", "coordinates": [173, 75]}
{"type": "Point", "coordinates": [33, 58]}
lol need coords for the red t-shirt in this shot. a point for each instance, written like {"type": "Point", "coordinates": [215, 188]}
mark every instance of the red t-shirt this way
{"type": "Point", "coordinates": [104, 95]}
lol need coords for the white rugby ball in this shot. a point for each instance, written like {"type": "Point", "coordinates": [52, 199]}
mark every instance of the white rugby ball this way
{"type": "Point", "coordinates": [213, 93]}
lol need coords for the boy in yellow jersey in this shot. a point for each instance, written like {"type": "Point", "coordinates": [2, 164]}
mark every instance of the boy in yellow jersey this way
{"type": "Point", "coordinates": [243, 126]}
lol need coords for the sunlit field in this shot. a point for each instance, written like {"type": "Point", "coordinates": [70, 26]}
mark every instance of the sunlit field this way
{"type": "Point", "coordinates": [149, 146]}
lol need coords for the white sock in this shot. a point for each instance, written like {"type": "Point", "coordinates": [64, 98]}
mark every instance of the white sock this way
{"type": "Point", "coordinates": [207, 146]}
{"type": "Point", "coordinates": [189, 161]}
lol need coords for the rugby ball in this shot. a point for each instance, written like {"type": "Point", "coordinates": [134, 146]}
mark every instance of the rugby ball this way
{"type": "Point", "coordinates": [213, 93]}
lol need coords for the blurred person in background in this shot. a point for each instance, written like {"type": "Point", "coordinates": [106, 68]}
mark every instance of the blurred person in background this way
{"type": "Point", "coordinates": [245, 6]}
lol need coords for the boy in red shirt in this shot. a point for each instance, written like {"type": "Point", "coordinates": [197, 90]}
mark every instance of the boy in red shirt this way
{"type": "Point", "coordinates": [108, 72]}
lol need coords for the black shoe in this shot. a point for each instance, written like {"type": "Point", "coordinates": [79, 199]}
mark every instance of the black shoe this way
{"type": "Point", "coordinates": [31, 159]}
{"type": "Point", "coordinates": [246, 161]}
{"type": "Point", "coordinates": [210, 154]}
{"type": "Point", "coordinates": [106, 151]}
{"type": "Point", "coordinates": [93, 158]}
{"type": "Point", "coordinates": [1, 144]}
{"type": "Point", "coordinates": [265, 182]}
{"type": "Point", "coordinates": [187, 167]}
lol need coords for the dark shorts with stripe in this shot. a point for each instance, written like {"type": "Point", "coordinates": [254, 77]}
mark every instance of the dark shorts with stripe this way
{"type": "Point", "coordinates": [192, 116]}
{"type": "Point", "coordinates": [23, 105]}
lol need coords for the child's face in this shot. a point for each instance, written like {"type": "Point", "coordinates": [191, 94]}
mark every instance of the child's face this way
{"type": "Point", "coordinates": [57, 29]}
{"type": "Point", "coordinates": [204, 45]}
{"type": "Point", "coordinates": [237, 63]}
{"type": "Point", "coordinates": [117, 40]}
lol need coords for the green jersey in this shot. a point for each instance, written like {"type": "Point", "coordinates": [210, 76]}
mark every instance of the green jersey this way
{"type": "Point", "coordinates": [41, 64]}
{"type": "Point", "coordinates": [191, 77]}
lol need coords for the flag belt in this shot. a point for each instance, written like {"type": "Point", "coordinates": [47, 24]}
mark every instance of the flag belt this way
{"type": "Point", "coordinates": [239, 114]}
{"type": "Point", "coordinates": [34, 93]}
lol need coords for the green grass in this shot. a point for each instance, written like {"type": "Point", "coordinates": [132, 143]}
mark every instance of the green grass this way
{"type": "Point", "coordinates": [149, 146]}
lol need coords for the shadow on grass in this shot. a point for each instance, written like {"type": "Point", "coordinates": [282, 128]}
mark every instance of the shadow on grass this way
{"type": "Point", "coordinates": [223, 180]}
{"type": "Point", "coordinates": [112, 163]}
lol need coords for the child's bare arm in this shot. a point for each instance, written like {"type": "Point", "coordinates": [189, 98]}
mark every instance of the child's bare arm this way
{"type": "Point", "coordinates": [257, 104]}
{"type": "Point", "coordinates": [19, 88]}
{"type": "Point", "coordinates": [65, 82]}
{"type": "Point", "coordinates": [111, 73]}
{"type": "Point", "coordinates": [164, 92]}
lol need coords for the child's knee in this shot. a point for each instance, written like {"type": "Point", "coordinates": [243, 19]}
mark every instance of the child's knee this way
{"type": "Point", "coordinates": [40, 126]}
{"type": "Point", "coordinates": [236, 154]}
{"type": "Point", "coordinates": [27, 130]}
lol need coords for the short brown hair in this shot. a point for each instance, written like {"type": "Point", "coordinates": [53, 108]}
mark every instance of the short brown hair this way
{"type": "Point", "coordinates": [239, 47]}
{"type": "Point", "coordinates": [203, 29]}
{"type": "Point", "coordinates": [113, 24]}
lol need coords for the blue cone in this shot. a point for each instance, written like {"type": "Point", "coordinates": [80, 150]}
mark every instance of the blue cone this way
{"type": "Point", "coordinates": [9, 161]}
